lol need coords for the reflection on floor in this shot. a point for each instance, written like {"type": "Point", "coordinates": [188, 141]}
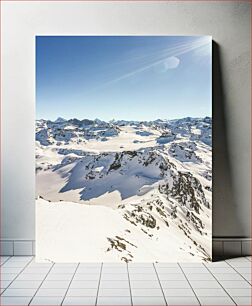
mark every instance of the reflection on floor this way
{"type": "Point", "coordinates": [25, 282]}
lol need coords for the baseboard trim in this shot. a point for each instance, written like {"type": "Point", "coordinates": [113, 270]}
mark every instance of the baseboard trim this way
{"type": "Point", "coordinates": [225, 247]}
{"type": "Point", "coordinates": [228, 247]}
{"type": "Point", "coordinates": [17, 247]}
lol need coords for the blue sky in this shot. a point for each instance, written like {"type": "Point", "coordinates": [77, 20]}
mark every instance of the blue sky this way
{"type": "Point", "coordinates": [123, 77]}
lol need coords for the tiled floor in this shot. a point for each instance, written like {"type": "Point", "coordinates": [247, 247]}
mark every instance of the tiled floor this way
{"type": "Point", "coordinates": [24, 282]}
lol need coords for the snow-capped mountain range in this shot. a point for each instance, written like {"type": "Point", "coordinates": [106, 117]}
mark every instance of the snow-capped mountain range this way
{"type": "Point", "coordinates": [124, 190]}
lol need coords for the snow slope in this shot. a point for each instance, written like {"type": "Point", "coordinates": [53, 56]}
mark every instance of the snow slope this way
{"type": "Point", "coordinates": [124, 191]}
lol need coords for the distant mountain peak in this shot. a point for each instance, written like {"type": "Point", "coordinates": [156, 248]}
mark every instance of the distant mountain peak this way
{"type": "Point", "coordinates": [59, 119]}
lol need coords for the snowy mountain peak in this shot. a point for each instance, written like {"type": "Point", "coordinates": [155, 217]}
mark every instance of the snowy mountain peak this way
{"type": "Point", "coordinates": [151, 179]}
{"type": "Point", "coordinates": [60, 120]}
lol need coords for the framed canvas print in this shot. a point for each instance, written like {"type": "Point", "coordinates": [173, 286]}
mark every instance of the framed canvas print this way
{"type": "Point", "coordinates": [123, 148]}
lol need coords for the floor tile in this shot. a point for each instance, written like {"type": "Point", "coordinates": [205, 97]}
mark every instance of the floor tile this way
{"type": "Point", "coordinates": [19, 292]}
{"type": "Point", "coordinates": [55, 284]}
{"type": "Point", "coordinates": [146, 292]}
{"type": "Point", "coordinates": [141, 300]}
{"type": "Point", "coordinates": [217, 270]}
{"type": "Point", "coordinates": [80, 300]}
{"type": "Point", "coordinates": [45, 300]}
{"type": "Point", "coordinates": [118, 276]}
{"type": "Point", "coordinates": [89, 270]}
{"type": "Point", "coordinates": [239, 291]}
{"type": "Point", "coordinates": [115, 266]}
{"type": "Point", "coordinates": [234, 284]}
{"type": "Point", "coordinates": [191, 264]}
{"type": "Point", "coordinates": [190, 300]}
{"type": "Point", "coordinates": [114, 292]}
{"type": "Point", "coordinates": [66, 265]}
{"type": "Point", "coordinates": [178, 292]}
{"type": "Point", "coordinates": [140, 264]}
{"type": "Point", "coordinates": [58, 276]}
{"type": "Point", "coordinates": [175, 284]}
{"type": "Point", "coordinates": [51, 292]}
{"type": "Point", "coordinates": [210, 292]}
{"type": "Point", "coordinates": [96, 264]}
{"type": "Point", "coordinates": [63, 270]}
{"type": "Point", "coordinates": [144, 284]}
{"type": "Point", "coordinates": [220, 300]}
{"type": "Point", "coordinates": [84, 284]}
{"type": "Point", "coordinates": [237, 259]}
{"type": "Point", "coordinates": [9, 276]}
{"type": "Point", "coordinates": [204, 284]}
{"type": "Point", "coordinates": [30, 276]}
{"type": "Point", "coordinates": [15, 300]}
{"type": "Point", "coordinates": [242, 270]}
{"type": "Point", "coordinates": [144, 270]}
{"type": "Point", "coordinates": [14, 264]}
{"type": "Point", "coordinates": [114, 270]}
{"type": "Point", "coordinates": [233, 276]}
{"type": "Point", "coordinates": [166, 265]}
{"type": "Point", "coordinates": [220, 264]}
{"type": "Point", "coordinates": [3, 259]}
{"type": "Point", "coordinates": [21, 258]}
{"type": "Point", "coordinates": [82, 292]}
{"type": "Point", "coordinates": [243, 300]}
{"type": "Point", "coordinates": [30, 270]}
{"type": "Point", "coordinates": [198, 270]}
{"type": "Point", "coordinates": [5, 283]}
{"type": "Point", "coordinates": [103, 300]}
{"type": "Point", "coordinates": [9, 270]}
{"type": "Point", "coordinates": [176, 276]}
{"type": "Point", "coordinates": [25, 284]}
{"type": "Point", "coordinates": [241, 264]}
{"type": "Point", "coordinates": [146, 277]}
{"type": "Point", "coordinates": [201, 276]}
{"type": "Point", "coordinates": [169, 270]}
{"type": "Point", "coordinates": [83, 276]}
{"type": "Point", "coordinates": [248, 277]}
{"type": "Point", "coordinates": [40, 264]}
{"type": "Point", "coordinates": [114, 284]}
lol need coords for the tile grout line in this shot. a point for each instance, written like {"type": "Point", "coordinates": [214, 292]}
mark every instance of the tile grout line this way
{"type": "Point", "coordinates": [220, 284]}
{"type": "Point", "coordinates": [21, 271]}
{"type": "Point", "coordinates": [190, 284]}
{"type": "Point", "coordinates": [239, 273]}
{"type": "Point", "coordinates": [160, 284]}
{"type": "Point", "coordinates": [70, 283]}
{"type": "Point", "coordinates": [131, 299]}
{"type": "Point", "coordinates": [96, 300]}
{"type": "Point", "coordinates": [9, 257]}
{"type": "Point", "coordinates": [247, 258]}
{"type": "Point", "coordinates": [42, 281]}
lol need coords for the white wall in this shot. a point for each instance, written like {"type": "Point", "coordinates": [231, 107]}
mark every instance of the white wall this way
{"type": "Point", "coordinates": [227, 22]}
